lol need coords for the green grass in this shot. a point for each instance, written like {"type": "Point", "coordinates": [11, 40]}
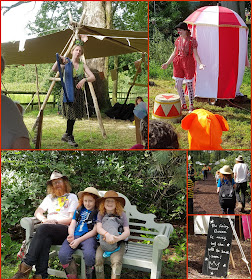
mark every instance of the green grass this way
{"type": "Point", "coordinates": [120, 134]}
{"type": "Point", "coordinates": [239, 134]}
{"type": "Point", "coordinates": [173, 267]}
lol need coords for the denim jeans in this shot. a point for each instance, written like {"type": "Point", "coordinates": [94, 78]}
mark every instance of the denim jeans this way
{"type": "Point", "coordinates": [38, 253]}
{"type": "Point", "coordinates": [87, 246]}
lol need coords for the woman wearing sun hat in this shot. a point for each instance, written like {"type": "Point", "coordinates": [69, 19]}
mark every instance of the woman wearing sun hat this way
{"type": "Point", "coordinates": [60, 205]}
{"type": "Point", "coordinates": [111, 206]}
{"type": "Point", "coordinates": [226, 190]}
{"type": "Point", "coordinates": [183, 58]}
{"type": "Point", "coordinates": [241, 173]}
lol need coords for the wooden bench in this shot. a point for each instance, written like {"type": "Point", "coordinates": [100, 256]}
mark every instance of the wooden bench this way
{"type": "Point", "coordinates": [145, 246]}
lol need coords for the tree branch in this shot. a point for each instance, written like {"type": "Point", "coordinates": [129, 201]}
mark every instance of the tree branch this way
{"type": "Point", "coordinates": [13, 6]}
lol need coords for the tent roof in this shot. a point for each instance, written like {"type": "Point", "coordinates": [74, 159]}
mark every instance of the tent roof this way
{"type": "Point", "coordinates": [43, 49]}
{"type": "Point", "coordinates": [215, 16]}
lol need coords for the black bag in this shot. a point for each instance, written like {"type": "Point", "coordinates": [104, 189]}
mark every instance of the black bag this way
{"type": "Point", "coordinates": [121, 111]}
{"type": "Point", "coordinates": [227, 192]}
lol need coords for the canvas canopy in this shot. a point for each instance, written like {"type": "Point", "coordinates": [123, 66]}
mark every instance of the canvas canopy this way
{"type": "Point", "coordinates": [43, 49]}
{"type": "Point", "coordinates": [222, 38]}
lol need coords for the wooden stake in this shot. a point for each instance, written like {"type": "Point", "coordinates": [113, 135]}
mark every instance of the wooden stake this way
{"type": "Point", "coordinates": [232, 260]}
{"type": "Point", "coordinates": [39, 131]}
{"type": "Point", "coordinates": [240, 227]}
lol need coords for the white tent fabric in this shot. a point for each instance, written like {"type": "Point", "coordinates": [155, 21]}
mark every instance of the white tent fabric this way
{"type": "Point", "coordinates": [201, 223]}
{"type": "Point", "coordinates": [222, 38]}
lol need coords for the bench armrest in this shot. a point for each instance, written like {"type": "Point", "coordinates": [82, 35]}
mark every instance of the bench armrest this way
{"type": "Point", "coordinates": [162, 241]}
{"type": "Point", "coordinates": [29, 224]}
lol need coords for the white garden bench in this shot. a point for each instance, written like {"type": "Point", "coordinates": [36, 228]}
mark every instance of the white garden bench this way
{"type": "Point", "coordinates": [139, 256]}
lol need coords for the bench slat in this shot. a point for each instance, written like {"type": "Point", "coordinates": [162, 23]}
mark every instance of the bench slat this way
{"type": "Point", "coordinates": [140, 238]}
{"type": "Point", "coordinates": [144, 232]}
{"type": "Point", "coordinates": [137, 224]}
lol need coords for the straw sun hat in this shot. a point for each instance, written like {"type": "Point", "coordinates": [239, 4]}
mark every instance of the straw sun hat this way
{"type": "Point", "coordinates": [91, 190]}
{"type": "Point", "coordinates": [226, 170]}
{"type": "Point", "coordinates": [114, 195]}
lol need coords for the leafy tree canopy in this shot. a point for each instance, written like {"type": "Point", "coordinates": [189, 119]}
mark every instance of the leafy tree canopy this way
{"type": "Point", "coordinates": [153, 181]}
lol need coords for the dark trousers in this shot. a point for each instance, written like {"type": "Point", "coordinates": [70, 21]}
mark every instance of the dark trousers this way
{"type": "Point", "coordinates": [228, 207]}
{"type": "Point", "coordinates": [190, 205]}
{"type": "Point", "coordinates": [227, 210]}
{"type": "Point", "coordinates": [241, 187]}
{"type": "Point", "coordinates": [87, 246]}
{"type": "Point", "coordinates": [70, 126]}
{"type": "Point", "coordinates": [205, 174]}
{"type": "Point", "coordinates": [38, 253]}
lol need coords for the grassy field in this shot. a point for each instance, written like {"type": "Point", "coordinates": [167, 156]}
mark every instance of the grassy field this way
{"type": "Point", "coordinates": [239, 134]}
{"type": "Point", "coordinates": [120, 134]}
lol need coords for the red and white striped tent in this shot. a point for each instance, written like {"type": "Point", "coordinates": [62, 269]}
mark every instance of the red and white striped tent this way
{"type": "Point", "coordinates": [222, 38]}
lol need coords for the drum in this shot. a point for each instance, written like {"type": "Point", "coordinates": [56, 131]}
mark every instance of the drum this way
{"type": "Point", "coordinates": [167, 106]}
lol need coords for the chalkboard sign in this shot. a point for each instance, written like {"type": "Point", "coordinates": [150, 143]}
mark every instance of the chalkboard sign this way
{"type": "Point", "coordinates": [219, 240]}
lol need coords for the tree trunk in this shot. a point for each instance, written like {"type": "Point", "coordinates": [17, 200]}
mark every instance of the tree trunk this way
{"type": "Point", "coordinates": [98, 14]}
{"type": "Point", "coordinates": [237, 6]}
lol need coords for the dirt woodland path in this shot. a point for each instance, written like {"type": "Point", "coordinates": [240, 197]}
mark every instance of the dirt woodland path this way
{"type": "Point", "coordinates": [196, 253]}
{"type": "Point", "coordinates": [206, 200]}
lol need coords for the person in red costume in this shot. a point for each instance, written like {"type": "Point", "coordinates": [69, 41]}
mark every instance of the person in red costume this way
{"type": "Point", "coordinates": [183, 58]}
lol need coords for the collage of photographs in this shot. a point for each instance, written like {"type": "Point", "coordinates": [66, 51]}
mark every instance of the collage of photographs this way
{"type": "Point", "coordinates": [125, 140]}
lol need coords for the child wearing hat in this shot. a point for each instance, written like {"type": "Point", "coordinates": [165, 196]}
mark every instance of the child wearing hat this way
{"type": "Point", "coordinates": [184, 63]}
{"type": "Point", "coordinates": [226, 190]}
{"type": "Point", "coordinates": [81, 234]}
{"type": "Point", "coordinates": [111, 205]}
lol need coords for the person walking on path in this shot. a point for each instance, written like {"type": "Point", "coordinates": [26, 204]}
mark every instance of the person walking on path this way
{"type": "Point", "coordinates": [226, 190]}
{"type": "Point", "coordinates": [183, 57]}
{"type": "Point", "coordinates": [241, 173]}
{"type": "Point", "coordinates": [204, 170]}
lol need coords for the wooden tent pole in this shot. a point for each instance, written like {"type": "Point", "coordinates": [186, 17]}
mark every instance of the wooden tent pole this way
{"type": "Point", "coordinates": [57, 74]}
{"type": "Point", "coordinates": [92, 91]}
{"type": "Point", "coordinates": [96, 105]}
{"type": "Point", "coordinates": [37, 85]}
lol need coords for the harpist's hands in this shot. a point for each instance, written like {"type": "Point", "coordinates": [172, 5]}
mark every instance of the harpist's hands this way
{"type": "Point", "coordinates": [81, 83]}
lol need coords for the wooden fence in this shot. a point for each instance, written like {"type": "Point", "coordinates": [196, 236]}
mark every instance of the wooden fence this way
{"type": "Point", "coordinates": [120, 97]}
